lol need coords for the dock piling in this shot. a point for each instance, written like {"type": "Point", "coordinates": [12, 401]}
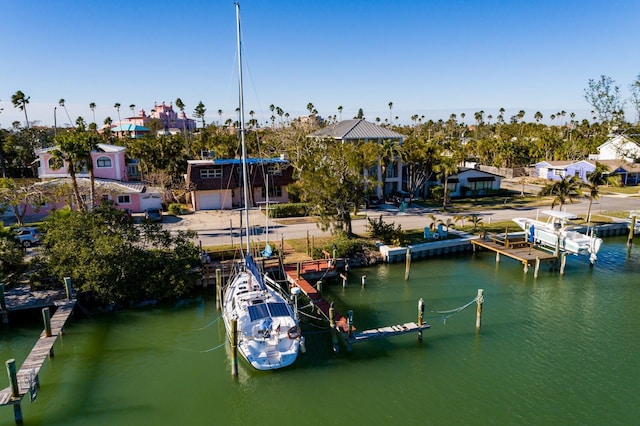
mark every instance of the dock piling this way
{"type": "Point", "coordinates": [349, 329]}
{"type": "Point", "coordinates": [363, 280]}
{"type": "Point", "coordinates": [46, 317]}
{"type": "Point", "coordinates": [15, 390]}
{"type": "Point", "coordinates": [537, 268]}
{"type": "Point", "coordinates": [332, 325]}
{"type": "Point", "coordinates": [407, 266]}
{"type": "Point", "coordinates": [319, 286]}
{"type": "Point", "coordinates": [632, 228]}
{"type": "Point", "coordinates": [3, 305]}
{"type": "Point", "coordinates": [68, 287]}
{"type": "Point", "coordinates": [234, 347]}
{"type": "Point", "coordinates": [479, 301]}
{"type": "Point", "coordinates": [420, 317]}
{"type": "Point", "coordinates": [218, 289]}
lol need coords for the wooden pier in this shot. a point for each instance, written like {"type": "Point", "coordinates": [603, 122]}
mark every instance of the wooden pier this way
{"type": "Point", "coordinates": [295, 272]}
{"type": "Point", "coordinates": [295, 276]}
{"type": "Point", "coordinates": [518, 249]}
{"type": "Point", "coordinates": [26, 379]}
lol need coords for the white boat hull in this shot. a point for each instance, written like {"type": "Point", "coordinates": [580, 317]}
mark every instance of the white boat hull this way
{"type": "Point", "coordinates": [559, 237]}
{"type": "Point", "coordinates": [267, 329]}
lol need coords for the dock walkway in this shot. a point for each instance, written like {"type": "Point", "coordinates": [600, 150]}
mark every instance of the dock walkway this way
{"type": "Point", "coordinates": [43, 348]}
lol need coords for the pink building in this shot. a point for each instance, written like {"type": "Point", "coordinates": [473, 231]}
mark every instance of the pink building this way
{"type": "Point", "coordinates": [113, 179]}
{"type": "Point", "coordinates": [170, 120]}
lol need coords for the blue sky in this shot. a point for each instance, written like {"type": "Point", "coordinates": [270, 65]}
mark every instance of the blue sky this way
{"type": "Point", "coordinates": [430, 58]}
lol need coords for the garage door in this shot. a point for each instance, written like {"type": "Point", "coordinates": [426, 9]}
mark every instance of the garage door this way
{"type": "Point", "coordinates": [210, 201]}
{"type": "Point", "coordinates": [150, 201]}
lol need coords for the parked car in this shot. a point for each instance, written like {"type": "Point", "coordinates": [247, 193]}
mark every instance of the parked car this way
{"type": "Point", "coordinates": [373, 201]}
{"type": "Point", "coordinates": [154, 215]}
{"type": "Point", "coordinates": [400, 196]}
{"type": "Point", "coordinates": [27, 236]}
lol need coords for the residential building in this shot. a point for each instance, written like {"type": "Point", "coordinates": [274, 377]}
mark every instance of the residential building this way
{"type": "Point", "coordinates": [168, 121]}
{"type": "Point", "coordinates": [112, 173]}
{"type": "Point", "coordinates": [359, 130]}
{"type": "Point", "coordinates": [217, 184]}
{"type": "Point", "coordinates": [556, 170]}
{"type": "Point", "coordinates": [469, 182]}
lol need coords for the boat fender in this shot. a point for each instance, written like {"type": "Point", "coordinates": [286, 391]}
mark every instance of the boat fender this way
{"type": "Point", "coordinates": [294, 333]}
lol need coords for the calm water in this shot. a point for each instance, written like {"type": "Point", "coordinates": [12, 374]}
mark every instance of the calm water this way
{"type": "Point", "coordinates": [556, 350]}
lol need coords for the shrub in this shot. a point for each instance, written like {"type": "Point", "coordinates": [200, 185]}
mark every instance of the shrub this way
{"type": "Point", "coordinates": [288, 210]}
{"type": "Point", "coordinates": [175, 209]}
{"type": "Point", "coordinates": [387, 232]}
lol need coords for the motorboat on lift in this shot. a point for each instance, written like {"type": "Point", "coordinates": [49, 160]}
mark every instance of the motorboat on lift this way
{"type": "Point", "coordinates": [558, 233]}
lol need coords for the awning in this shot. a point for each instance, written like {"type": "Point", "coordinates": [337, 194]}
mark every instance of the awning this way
{"type": "Point", "coordinates": [481, 179]}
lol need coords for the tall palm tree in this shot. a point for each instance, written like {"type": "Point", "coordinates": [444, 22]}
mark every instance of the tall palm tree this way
{"type": "Point", "coordinates": [20, 101]}
{"type": "Point", "coordinates": [220, 115]}
{"type": "Point", "coordinates": [92, 107]}
{"type": "Point", "coordinates": [117, 107]}
{"type": "Point", "coordinates": [568, 189]}
{"type": "Point", "coordinates": [390, 112]}
{"type": "Point", "coordinates": [132, 107]}
{"type": "Point", "coordinates": [74, 149]}
{"type": "Point", "coordinates": [340, 112]}
{"type": "Point", "coordinates": [62, 104]}
{"type": "Point", "coordinates": [600, 176]}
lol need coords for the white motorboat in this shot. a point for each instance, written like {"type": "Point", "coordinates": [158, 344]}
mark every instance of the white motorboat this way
{"type": "Point", "coordinates": [268, 333]}
{"type": "Point", "coordinates": [558, 233]}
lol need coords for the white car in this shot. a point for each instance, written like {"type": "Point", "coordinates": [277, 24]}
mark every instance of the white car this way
{"type": "Point", "coordinates": [28, 236]}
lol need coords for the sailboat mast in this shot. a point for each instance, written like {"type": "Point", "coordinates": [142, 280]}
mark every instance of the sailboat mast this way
{"type": "Point", "coordinates": [245, 171]}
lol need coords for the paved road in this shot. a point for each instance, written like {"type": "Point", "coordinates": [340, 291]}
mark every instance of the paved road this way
{"type": "Point", "coordinates": [213, 227]}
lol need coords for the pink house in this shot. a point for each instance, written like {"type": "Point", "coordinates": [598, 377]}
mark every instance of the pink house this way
{"type": "Point", "coordinates": [112, 179]}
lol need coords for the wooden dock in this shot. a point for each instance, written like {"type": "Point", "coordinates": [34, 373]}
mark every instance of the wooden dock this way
{"type": "Point", "coordinates": [295, 277]}
{"type": "Point", "coordinates": [27, 376]}
{"type": "Point", "coordinates": [520, 250]}
{"type": "Point", "coordinates": [295, 274]}
{"type": "Point", "coordinates": [394, 330]}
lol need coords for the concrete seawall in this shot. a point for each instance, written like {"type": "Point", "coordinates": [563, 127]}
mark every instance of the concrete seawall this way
{"type": "Point", "coordinates": [428, 249]}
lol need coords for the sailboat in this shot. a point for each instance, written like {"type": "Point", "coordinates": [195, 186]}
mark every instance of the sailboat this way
{"type": "Point", "coordinates": [267, 322]}
{"type": "Point", "coordinates": [557, 233]}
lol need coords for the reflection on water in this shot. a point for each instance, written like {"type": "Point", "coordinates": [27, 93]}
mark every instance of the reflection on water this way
{"type": "Point", "coordinates": [552, 350]}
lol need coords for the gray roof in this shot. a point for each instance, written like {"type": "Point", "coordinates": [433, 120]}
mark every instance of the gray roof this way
{"type": "Point", "coordinates": [356, 130]}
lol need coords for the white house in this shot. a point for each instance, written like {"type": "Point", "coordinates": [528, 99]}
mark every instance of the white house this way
{"type": "Point", "coordinates": [618, 147]}
{"type": "Point", "coordinates": [472, 182]}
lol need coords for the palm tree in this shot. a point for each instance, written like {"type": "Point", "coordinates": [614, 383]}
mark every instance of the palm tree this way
{"type": "Point", "coordinates": [132, 107]}
{"type": "Point", "coordinates": [181, 106]}
{"type": "Point", "coordinates": [340, 112]}
{"type": "Point", "coordinates": [20, 101]}
{"type": "Point", "coordinates": [389, 152]}
{"type": "Point", "coordinates": [92, 107]}
{"type": "Point", "coordinates": [600, 176]}
{"type": "Point", "coordinates": [117, 107]}
{"type": "Point", "coordinates": [74, 148]}
{"type": "Point", "coordinates": [390, 112]}
{"type": "Point", "coordinates": [568, 189]}
{"type": "Point", "coordinates": [219, 115]}
{"type": "Point", "coordinates": [199, 111]}
{"type": "Point", "coordinates": [62, 104]}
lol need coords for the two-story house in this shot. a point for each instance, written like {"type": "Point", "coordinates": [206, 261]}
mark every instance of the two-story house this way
{"type": "Point", "coordinates": [217, 184]}
{"type": "Point", "coordinates": [112, 179]}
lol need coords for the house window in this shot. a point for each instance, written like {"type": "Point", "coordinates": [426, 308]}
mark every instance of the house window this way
{"type": "Point", "coordinates": [103, 162]}
{"type": "Point", "coordinates": [274, 170]}
{"type": "Point", "coordinates": [452, 186]}
{"type": "Point", "coordinates": [559, 172]}
{"type": "Point", "coordinates": [481, 185]}
{"type": "Point", "coordinates": [215, 172]}
{"type": "Point", "coordinates": [273, 192]}
{"type": "Point", "coordinates": [52, 163]}
{"type": "Point", "coordinates": [392, 170]}
{"type": "Point", "coordinates": [124, 199]}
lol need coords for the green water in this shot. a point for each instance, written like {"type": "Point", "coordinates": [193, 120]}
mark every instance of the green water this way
{"type": "Point", "coordinates": [556, 350]}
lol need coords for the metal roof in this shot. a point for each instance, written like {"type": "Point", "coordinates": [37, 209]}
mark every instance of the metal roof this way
{"type": "Point", "coordinates": [237, 161]}
{"type": "Point", "coordinates": [356, 130]}
{"type": "Point", "coordinates": [130, 128]}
